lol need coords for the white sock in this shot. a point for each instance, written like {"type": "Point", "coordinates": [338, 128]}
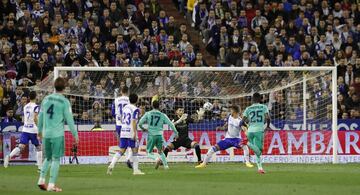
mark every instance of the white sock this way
{"type": "Point", "coordinates": [15, 152]}
{"type": "Point", "coordinates": [246, 153]}
{"type": "Point", "coordinates": [135, 161]}
{"type": "Point", "coordinates": [51, 186]}
{"type": "Point", "coordinates": [41, 181]}
{"type": "Point", "coordinates": [39, 159]}
{"type": "Point", "coordinates": [209, 154]}
{"type": "Point", "coordinates": [259, 165]}
{"type": "Point", "coordinates": [129, 154]}
{"type": "Point", "coordinates": [115, 159]}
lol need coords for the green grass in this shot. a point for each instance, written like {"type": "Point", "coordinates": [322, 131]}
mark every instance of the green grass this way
{"type": "Point", "coordinates": [184, 179]}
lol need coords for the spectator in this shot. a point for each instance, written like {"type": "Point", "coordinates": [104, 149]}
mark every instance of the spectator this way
{"type": "Point", "coordinates": [278, 110]}
{"type": "Point", "coordinates": [95, 113]}
{"type": "Point", "coordinates": [163, 60]}
{"type": "Point", "coordinates": [84, 118]}
{"type": "Point", "coordinates": [39, 71]}
{"type": "Point", "coordinates": [9, 118]}
{"type": "Point", "coordinates": [349, 75]}
{"type": "Point", "coordinates": [137, 86]}
{"type": "Point", "coordinates": [162, 82]}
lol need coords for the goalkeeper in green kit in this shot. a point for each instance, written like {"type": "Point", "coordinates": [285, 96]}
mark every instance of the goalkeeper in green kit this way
{"type": "Point", "coordinates": [155, 121]}
{"type": "Point", "coordinates": [54, 112]}
{"type": "Point", "coordinates": [255, 116]}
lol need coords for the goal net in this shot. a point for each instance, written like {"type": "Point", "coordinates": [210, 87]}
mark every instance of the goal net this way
{"type": "Point", "coordinates": [301, 101]}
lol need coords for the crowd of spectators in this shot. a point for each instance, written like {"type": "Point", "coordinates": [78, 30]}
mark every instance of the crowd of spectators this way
{"type": "Point", "coordinates": [36, 36]}
{"type": "Point", "coordinates": [285, 33]}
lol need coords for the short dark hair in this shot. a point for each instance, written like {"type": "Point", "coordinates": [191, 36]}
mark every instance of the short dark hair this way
{"type": "Point", "coordinates": [235, 108]}
{"type": "Point", "coordinates": [179, 107]}
{"type": "Point", "coordinates": [156, 104]}
{"type": "Point", "coordinates": [125, 90]}
{"type": "Point", "coordinates": [32, 95]}
{"type": "Point", "coordinates": [60, 84]}
{"type": "Point", "coordinates": [133, 98]}
{"type": "Point", "coordinates": [257, 97]}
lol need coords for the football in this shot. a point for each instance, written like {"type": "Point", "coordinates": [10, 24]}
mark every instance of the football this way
{"type": "Point", "coordinates": [208, 106]}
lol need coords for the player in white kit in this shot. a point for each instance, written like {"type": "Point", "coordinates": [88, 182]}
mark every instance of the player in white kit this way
{"type": "Point", "coordinates": [117, 110]}
{"type": "Point", "coordinates": [128, 135]}
{"type": "Point", "coordinates": [29, 132]}
{"type": "Point", "coordinates": [232, 138]}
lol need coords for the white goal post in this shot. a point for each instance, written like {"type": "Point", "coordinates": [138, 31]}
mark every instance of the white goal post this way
{"type": "Point", "coordinates": [332, 69]}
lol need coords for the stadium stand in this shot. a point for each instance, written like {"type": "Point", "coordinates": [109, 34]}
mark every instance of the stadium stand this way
{"type": "Point", "coordinates": [36, 36]}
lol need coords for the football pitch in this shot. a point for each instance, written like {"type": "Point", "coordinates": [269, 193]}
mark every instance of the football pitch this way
{"type": "Point", "coordinates": [184, 179]}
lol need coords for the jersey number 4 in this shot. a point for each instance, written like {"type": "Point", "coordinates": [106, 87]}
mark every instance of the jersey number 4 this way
{"type": "Point", "coordinates": [256, 116]}
{"type": "Point", "coordinates": [50, 111]}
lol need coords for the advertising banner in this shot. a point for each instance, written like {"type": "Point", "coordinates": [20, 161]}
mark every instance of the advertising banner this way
{"type": "Point", "coordinates": [10, 141]}
{"type": "Point", "coordinates": [279, 146]}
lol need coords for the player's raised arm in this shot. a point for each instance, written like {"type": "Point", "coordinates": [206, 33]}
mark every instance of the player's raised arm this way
{"type": "Point", "coordinates": [70, 119]}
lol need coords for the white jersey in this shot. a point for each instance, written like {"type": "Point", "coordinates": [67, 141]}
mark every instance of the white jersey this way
{"type": "Point", "coordinates": [120, 103]}
{"type": "Point", "coordinates": [234, 128]}
{"type": "Point", "coordinates": [30, 110]}
{"type": "Point", "coordinates": [130, 112]}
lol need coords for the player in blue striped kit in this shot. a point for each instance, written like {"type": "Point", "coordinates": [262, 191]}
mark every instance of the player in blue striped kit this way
{"type": "Point", "coordinates": [232, 138]}
{"type": "Point", "coordinates": [29, 132]}
{"type": "Point", "coordinates": [128, 135]}
{"type": "Point", "coordinates": [117, 111]}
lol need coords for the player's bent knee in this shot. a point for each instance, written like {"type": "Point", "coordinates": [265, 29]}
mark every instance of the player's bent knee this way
{"type": "Point", "coordinates": [195, 144]}
{"type": "Point", "coordinates": [170, 146]}
{"type": "Point", "coordinates": [21, 147]}
{"type": "Point", "coordinates": [135, 150]}
{"type": "Point", "coordinates": [122, 150]}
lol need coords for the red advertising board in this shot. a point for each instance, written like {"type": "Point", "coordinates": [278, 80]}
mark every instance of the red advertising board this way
{"type": "Point", "coordinates": [275, 143]}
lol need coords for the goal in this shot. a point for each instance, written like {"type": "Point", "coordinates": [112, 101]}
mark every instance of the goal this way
{"type": "Point", "coordinates": [302, 103]}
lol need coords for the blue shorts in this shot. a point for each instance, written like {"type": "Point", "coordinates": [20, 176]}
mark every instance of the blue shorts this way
{"type": "Point", "coordinates": [127, 142]}
{"type": "Point", "coordinates": [228, 143]}
{"type": "Point", "coordinates": [25, 137]}
{"type": "Point", "coordinates": [118, 130]}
